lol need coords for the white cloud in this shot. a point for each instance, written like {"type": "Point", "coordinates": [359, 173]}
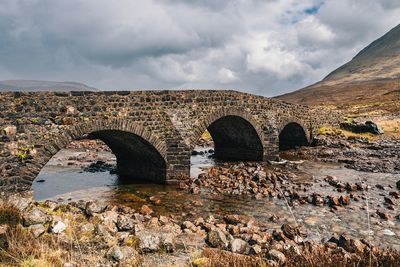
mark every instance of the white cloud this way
{"type": "Point", "coordinates": [226, 76]}
{"type": "Point", "coordinates": [266, 56]}
{"type": "Point", "coordinates": [261, 46]}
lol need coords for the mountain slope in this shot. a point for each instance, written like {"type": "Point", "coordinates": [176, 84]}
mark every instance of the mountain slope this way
{"type": "Point", "coordinates": [31, 85]}
{"type": "Point", "coordinates": [379, 60]}
{"type": "Point", "coordinates": [373, 75]}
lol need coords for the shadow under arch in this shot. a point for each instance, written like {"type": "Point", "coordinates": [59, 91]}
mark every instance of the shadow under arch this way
{"type": "Point", "coordinates": [137, 159]}
{"type": "Point", "coordinates": [140, 154]}
{"type": "Point", "coordinates": [235, 135]}
{"type": "Point", "coordinates": [292, 135]}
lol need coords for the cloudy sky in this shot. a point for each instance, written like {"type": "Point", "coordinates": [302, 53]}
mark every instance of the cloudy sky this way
{"type": "Point", "coordinates": [266, 47]}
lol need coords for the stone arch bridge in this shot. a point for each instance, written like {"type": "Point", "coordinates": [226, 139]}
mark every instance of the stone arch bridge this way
{"type": "Point", "coordinates": [152, 133]}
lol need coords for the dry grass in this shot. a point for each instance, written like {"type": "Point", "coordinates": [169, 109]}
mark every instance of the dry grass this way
{"type": "Point", "coordinates": [329, 131]}
{"type": "Point", "coordinates": [23, 249]}
{"type": "Point", "coordinates": [220, 258]}
{"type": "Point", "coordinates": [19, 247]}
{"type": "Point", "coordinates": [336, 258]}
{"type": "Point", "coordinates": [9, 215]}
{"type": "Point", "coordinates": [391, 127]}
{"type": "Point", "coordinates": [309, 258]}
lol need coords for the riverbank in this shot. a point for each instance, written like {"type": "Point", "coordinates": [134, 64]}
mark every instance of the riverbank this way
{"type": "Point", "coordinates": [89, 234]}
{"type": "Point", "coordinates": [308, 209]}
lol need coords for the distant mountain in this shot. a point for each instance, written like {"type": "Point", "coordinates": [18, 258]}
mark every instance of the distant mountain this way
{"type": "Point", "coordinates": [372, 75]}
{"type": "Point", "coordinates": [32, 86]}
{"type": "Point", "coordinates": [379, 60]}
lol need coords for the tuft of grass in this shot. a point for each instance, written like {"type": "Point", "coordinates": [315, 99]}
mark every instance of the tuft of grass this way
{"type": "Point", "coordinates": [328, 131]}
{"type": "Point", "coordinates": [9, 215]}
{"type": "Point", "coordinates": [221, 258]}
{"type": "Point", "coordinates": [31, 262]}
{"type": "Point", "coordinates": [25, 250]}
{"type": "Point", "coordinates": [336, 258]}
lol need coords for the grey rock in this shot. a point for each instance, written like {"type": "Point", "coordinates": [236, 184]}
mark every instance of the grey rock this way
{"type": "Point", "coordinates": [35, 216]}
{"type": "Point", "coordinates": [217, 239]}
{"type": "Point", "coordinates": [388, 232]}
{"type": "Point", "coordinates": [124, 223]}
{"type": "Point", "coordinates": [276, 256]}
{"type": "Point", "coordinates": [255, 250]}
{"type": "Point", "coordinates": [149, 242]}
{"type": "Point", "coordinates": [19, 202]}
{"type": "Point", "coordinates": [93, 207]}
{"type": "Point", "coordinates": [168, 242]}
{"type": "Point", "coordinates": [120, 254]}
{"type": "Point", "coordinates": [37, 229]}
{"type": "Point", "coordinates": [239, 246]}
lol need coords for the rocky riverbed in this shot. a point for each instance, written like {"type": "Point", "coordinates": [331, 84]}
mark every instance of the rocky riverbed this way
{"type": "Point", "coordinates": [382, 155]}
{"type": "Point", "coordinates": [301, 205]}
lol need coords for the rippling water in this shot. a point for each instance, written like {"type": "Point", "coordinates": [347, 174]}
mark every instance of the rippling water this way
{"type": "Point", "coordinates": [69, 183]}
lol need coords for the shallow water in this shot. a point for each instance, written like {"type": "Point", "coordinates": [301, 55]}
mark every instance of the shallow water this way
{"type": "Point", "coordinates": [69, 183]}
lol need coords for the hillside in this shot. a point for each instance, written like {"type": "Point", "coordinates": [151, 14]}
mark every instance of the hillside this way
{"type": "Point", "coordinates": [379, 60]}
{"type": "Point", "coordinates": [371, 80]}
{"type": "Point", "coordinates": [32, 86]}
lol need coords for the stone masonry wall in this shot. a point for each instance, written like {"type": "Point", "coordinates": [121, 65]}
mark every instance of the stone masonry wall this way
{"type": "Point", "coordinates": [35, 126]}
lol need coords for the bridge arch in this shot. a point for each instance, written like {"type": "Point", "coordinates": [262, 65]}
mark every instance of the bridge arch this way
{"type": "Point", "coordinates": [140, 154]}
{"type": "Point", "coordinates": [236, 134]}
{"type": "Point", "coordinates": [292, 134]}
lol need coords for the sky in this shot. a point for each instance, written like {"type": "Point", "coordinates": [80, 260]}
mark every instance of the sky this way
{"type": "Point", "coordinates": [266, 47]}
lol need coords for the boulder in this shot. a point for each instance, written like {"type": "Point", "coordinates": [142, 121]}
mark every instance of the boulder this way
{"type": "Point", "coordinates": [35, 216]}
{"type": "Point", "coordinates": [217, 239]}
{"type": "Point", "coordinates": [367, 127]}
{"type": "Point", "coordinates": [93, 207]}
{"type": "Point", "coordinates": [125, 223]}
{"type": "Point", "coordinates": [19, 202]}
{"type": "Point", "coordinates": [383, 215]}
{"type": "Point", "coordinates": [239, 246]}
{"type": "Point", "coordinates": [290, 231]}
{"type": "Point", "coordinates": [10, 130]}
{"type": "Point", "coordinates": [255, 250]}
{"type": "Point", "coordinates": [344, 200]}
{"type": "Point", "coordinates": [351, 245]}
{"type": "Point", "coordinates": [317, 200]}
{"type": "Point", "coordinates": [389, 201]}
{"type": "Point", "coordinates": [189, 225]}
{"type": "Point", "coordinates": [276, 256]}
{"type": "Point", "coordinates": [149, 242]}
{"type": "Point", "coordinates": [120, 254]}
{"type": "Point", "coordinates": [233, 219]}
{"type": "Point", "coordinates": [334, 201]}
{"type": "Point", "coordinates": [145, 210]}
{"type": "Point", "coordinates": [168, 242]}
{"type": "Point", "coordinates": [37, 229]}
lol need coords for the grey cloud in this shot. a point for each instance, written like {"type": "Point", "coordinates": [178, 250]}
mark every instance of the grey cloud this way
{"type": "Point", "coordinates": [264, 47]}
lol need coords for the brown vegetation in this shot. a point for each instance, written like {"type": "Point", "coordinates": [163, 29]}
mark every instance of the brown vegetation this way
{"type": "Point", "coordinates": [19, 246]}
{"type": "Point", "coordinates": [379, 96]}
{"type": "Point", "coordinates": [9, 215]}
{"type": "Point", "coordinates": [336, 258]}
{"type": "Point", "coordinates": [221, 258]}
{"type": "Point", "coordinates": [309, 258]}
